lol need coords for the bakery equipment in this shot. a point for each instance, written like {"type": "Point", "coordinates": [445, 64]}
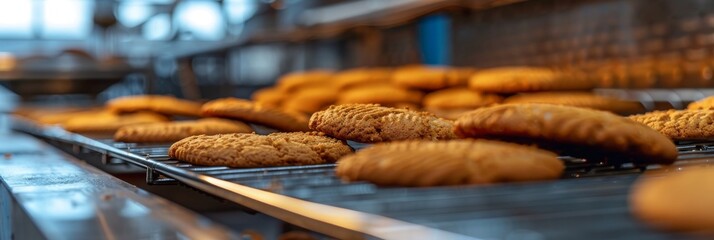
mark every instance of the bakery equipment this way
{"type": "Point", "coordinates": [590, 202]}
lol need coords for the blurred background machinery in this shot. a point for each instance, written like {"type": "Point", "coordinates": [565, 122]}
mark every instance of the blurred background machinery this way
{"type": "Point", "coordinates": [202, 49]}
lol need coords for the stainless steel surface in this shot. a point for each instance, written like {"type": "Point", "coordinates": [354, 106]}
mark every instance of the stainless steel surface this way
{"type": "Point", "coordinates": [590, 203]}
{"type": "Point", "coordinates": [64, 76]}
{"type": "Point", "coordinates": [334, 221]}
{"type": "Point", "coordinates": [8, 103]}
{"type": "Point", "coordinates": [67, 199]}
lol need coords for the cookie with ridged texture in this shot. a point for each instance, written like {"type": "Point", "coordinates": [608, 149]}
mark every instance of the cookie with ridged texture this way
{"type": "Point", "coordinates": [452, 162]}
{"type": "Point", "coordinates": [528, 79]}
{"type": "Point", "coordinates": [579, 99]}
{"type": "Point", "coordinates": [704, 103]}
{"type": "Point", "coordinates": [678, 201]}
{"type": "Point", "coordinates": [253, 150]}
{"type": "Point", "coordinates": [385, 94]}
{"type": "Point", "coordinates": [254, 112]}
{"type": "Point", "coordinates": [174, 131]}
{"type": "Point", "coordinates": [680, 124]}
{"type": "Point", "coordinates": [271, 97]}
{"type": "Point", "coordinates": [573, 131]}
{"type": "Point", "coordinates": [107, 123]}
{"type": "Point", "coordinates": [167, 105]}
{"type": "Point", "coordinates": [369, 123]}
{"type": "Point", "coordinates": [430, 78]}
{"type": "Point", "coordinates": [293, 81]}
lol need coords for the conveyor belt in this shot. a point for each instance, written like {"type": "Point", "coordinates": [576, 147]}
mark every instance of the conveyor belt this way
{"type": "Point", "coordinates": [589, 203]}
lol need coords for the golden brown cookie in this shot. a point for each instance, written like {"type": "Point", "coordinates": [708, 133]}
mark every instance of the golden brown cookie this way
{"type": "Point", "coordinates": [680, 124]}
{"type": "Point", "coordinates": [579, 99]}
{"type": "Point", "coordinates": [253, 150]}
{"type": "Point", "coordinates": [156, 103]}
{"type": "Point", "coordinates": [385, 94]}
{"type": "Point", "coordinates": [678, 201]}
{"type": "Point", "coordinates": [705, 103]}
{"type": "Point", "coordinates": [61, 117]}
{"type": "Point", "coordinates": [573, 131]}
{"type": "Point", "coordinates": [451, 103]}
{"type": "Point", "coordinates": [291, 82]}
{"type": "Point", "coordinates": [311, 99]}
{"type": "Point", "coordinates": [361, 76]}
{"type": "Point", "coordinates": [271, 97]}
{"type": "Point", "coordinates": [369, 123]}
{"type": "Point", "coordinates": [431, 78]}
{"type": "Point", "coordinates": [527, 79]}
{"type": "Point", "coordinates": [459, 98]}
{"type": "Point", "coordinates": [110, 122]}
{"type": "Point", "coordinates": [256, 113]}
{"type": "Point", "coordinates": [453, 162]}
{"type": "Point", "coordinates": [450, 114]}
{"type": "Point", "coordinates": [174, 131]}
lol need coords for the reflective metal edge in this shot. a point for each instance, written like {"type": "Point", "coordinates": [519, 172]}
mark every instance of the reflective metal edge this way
{"type": "Point", "coordinates": [66, 199]}
{"type": "Point", "coordinates": [334, 221]}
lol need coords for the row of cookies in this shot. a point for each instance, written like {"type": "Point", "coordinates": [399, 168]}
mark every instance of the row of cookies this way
{"type": "Point", "coordinates": [414, 148]}
{"type": "Point", "coordinates": [117, 113]}
{"type": "Point", "coordinates": [484, 146]}
{"type": "Point", "coordinates": [446, 92]}
{"type": "Point", "coordinates": [144, 118]}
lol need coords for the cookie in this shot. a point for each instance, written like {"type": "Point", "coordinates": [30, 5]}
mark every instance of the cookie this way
{"type": "Point", "coordinates": [271, 97]}
{"type": "Point", "coordinates": [174, 131]}
{"type": "Point", "coordinates": [450, 114]}
{"type": "Point", "coordinates": [705, 103]}
{"type": "Point", "coordinates": [452, 102]}
{"type": "Point", "coordinates": [253, 150]}
{"type": "Point", "coordinates": [52, 118]}
{"type": "Point", "coordinates": [291, 82]}
{"type": "Point", "coordinates": [579, 99]}
{"type": "Point", "coordinates": [369, 123]}
{"type": "Point", "coordinates": [680, 124]}
{"type": "Point", "coordinates": [678, 201]}
{"type": "Point", "coordinates": [384, 94]}
{"type": "Point", "coordinates": [459, 98]}
{"type": "Point", "coordinates": [361, 76]}
{"type": "Point", "coordinates": [572, 131]}
{"type": "Point", "coordinates": [311, 99]}
{"type": "Point", "coordinates": [527, 79]}
{"type": "Point", "coordinates": [430, 78]}
{"type": "Point", "coordinates": [106, 123]}
{"type": "Point", "coordinates": [156, 103]}
{"type": "Point", "coordinates": [256, 113]}
{"type": "Point", "coordinates": [453, 162]}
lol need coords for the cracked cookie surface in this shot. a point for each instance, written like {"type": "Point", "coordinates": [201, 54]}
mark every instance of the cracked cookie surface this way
{"type": "Point", "coordinates": [253, 150]}
{"type": "Point", "coordinates": [680, 124]}
{"type": "Point", "coordinates": [369, 123]}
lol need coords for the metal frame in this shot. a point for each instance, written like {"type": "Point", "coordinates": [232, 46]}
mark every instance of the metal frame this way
{"type": "Point", "coordinates": [313, 198]}
{"type": "Point", "coordinates": [334, 221]}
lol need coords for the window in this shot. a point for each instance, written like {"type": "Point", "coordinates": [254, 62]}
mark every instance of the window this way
{"type": "Point", "coordinates": [69, 19]}
{"type": "Point", "coordinates": [16, 20]}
